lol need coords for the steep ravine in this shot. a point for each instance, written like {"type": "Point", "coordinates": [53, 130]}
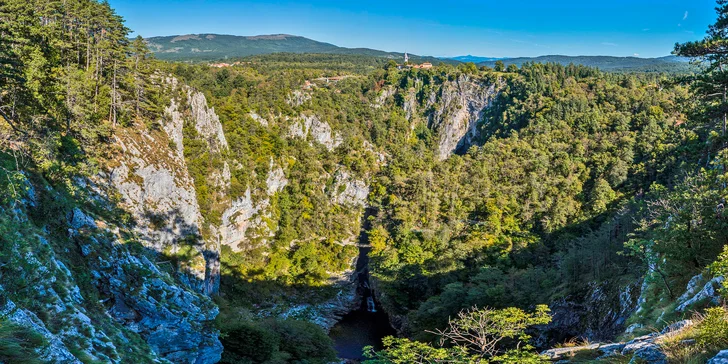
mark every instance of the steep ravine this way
{"type": "Point", "coordinates": [368, 322]}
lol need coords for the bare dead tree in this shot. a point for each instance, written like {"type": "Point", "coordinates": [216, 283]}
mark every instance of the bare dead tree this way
{"type": "Point", "coordinates": [481, 331]}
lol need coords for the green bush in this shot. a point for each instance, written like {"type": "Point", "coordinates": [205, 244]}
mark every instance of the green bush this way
{"type": "Point", "coordinates": [248, 342]}
{"type": "Point", "coordinates": [712, 331]}
{"type": "Point", "coordinates": [304, 341]}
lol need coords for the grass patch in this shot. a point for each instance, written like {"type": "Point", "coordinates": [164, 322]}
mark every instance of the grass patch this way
{"type": "Point", "coordinates": [699, 342]}
{"type": "Point", "coordinates": [18, 344]}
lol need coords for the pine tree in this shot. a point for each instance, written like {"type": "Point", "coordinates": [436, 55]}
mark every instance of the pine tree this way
{"type": "Point", "coordinates": [712, 51]}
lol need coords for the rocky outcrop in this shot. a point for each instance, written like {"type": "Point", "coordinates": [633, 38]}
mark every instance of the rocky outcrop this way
{"type": "Point", "coordinates": [348, 190]}
{"type": "Point", "coordinates": [695, 294]}
{"type": "Point", "coordinates": [325, 314]}
{"type": "Point", "coordinates": [410, 103]}
{"type": "Point", "coordinates": [155, 187]}
{"type": "Point", "coordinates": [114, 293]}
{"type": "Point", "coordinates": [383, 96]}
{"type": "Point", "coordinates": [298, 98]}
{"type": "Point", "coordinates": [319, 131]}
{"type": "Point", "coordinates": [597, 315]}
{"type": "Point", "coordinates": [152, 179]}
{"type": "Point", "coordinates": [55, 351]}
{"type": "Point", "coordinates": [176, 323]}
{"type": "Point", "coordinates": [721, 358]}
{"type": "Point", "coordinates": [567, 352]}
{"type": "Point", "coordinates": [454, 109]}
{"type": "Point", "coordinates": [238, 218]}
{"type": "Point", "coordinates": [643, 349]}
{"type": "Point", "coordinates": [261, 120]}
{"type": "Point", "coordinates": [206, 121]}
{"type": "Point", "coordinates": [276, 180]}
{"type": "Point", "coordinates": [247, 213]}
{"type": "Point", "coordinates": [459, 111]}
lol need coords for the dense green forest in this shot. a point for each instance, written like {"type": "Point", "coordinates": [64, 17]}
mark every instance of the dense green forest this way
{"type": "Point", "coordinates": [574, 178]}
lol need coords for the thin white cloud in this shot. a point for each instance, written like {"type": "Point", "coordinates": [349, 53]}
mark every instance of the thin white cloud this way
{"type": "Point", "coordinates": [530, 43]}
{"type": "Point", "coordinates": [686, 15]}
{"type": "Point", "coordinates": [609, 44]}
{"type": "Point", "coordinates": [646, 29]}
{"type": "Point", "coordinates": [636, 55]}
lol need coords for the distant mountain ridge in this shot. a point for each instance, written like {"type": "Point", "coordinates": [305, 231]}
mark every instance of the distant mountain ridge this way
{"type": "Point", "coordinates": [607, 63]}
{"type": "Point", "coordinates": [214, 47]}
{"type": "Point", "coordinates": [475, 59]}
{"type": "Point", "coordinates": [211, 47]}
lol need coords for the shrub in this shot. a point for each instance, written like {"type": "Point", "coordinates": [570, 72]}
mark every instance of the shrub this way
{"type": "Point", "coordinates": [712, 331]}
{"type": "Point", "coordinates": [304, 341]}
{"type": "Point", "coordinates": [249, 341]}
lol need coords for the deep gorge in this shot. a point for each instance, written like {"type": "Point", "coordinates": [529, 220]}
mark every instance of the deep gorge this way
{"type": "Point", "coordinates": [368, 323]}
{"type": "Point", "coordinates": [244, 212]}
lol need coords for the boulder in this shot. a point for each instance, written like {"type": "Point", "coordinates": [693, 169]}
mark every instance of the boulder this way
{"type": "Point", "coordinates": [638, 343]}
{"type": "Point", "coordinates": [650, 353]}
{"type": "Point", "coordinates": [707, 295]}
{"type": "Point", "coordinates": [676, 327]}
{"type": "Point", "coordinates": [721, 358]}
{"type": "Point", "coordinates": [559, 353]}
{"type": "Point", "coordinates": [605, 349]}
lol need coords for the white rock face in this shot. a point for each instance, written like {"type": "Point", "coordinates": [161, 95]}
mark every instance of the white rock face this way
{"type": "Point", "coordinates": [245, 213]}
{"type": "Point", "coordinates": [349, 191]}
{"type": "Point", "coordinates": [721, 358]}
{"type": "Point", "coordinates": [320, 131]}
{"type": "Point", "coordinates": [263, 121]}
{"type": "Point", "coordinates": [457, 115]}
{"type": "Point", "coordinates": [153, 180]}
{"type": "Point", "coordinates": [298, 98]}
{"type": "Point", "coordinates": [156, 188]}
{"type": "Point", "coordinates": [238, 218]}
{"type": "Point", "coordinates": [410, 104]}
{"type": "Point", "coordinates": [276, 180]}
{"type": "Point", "coordinates": [207, 122]}
{"type": "Point", "coordinates": [383, 96]}
{"type": "Point", "coordinates": [709, 293]}
{"type": "Point", "coordinates": [173, 128]}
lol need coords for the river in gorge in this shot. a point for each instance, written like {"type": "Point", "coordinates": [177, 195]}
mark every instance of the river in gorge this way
{"type": "Point", "coordinates": [368, 324]}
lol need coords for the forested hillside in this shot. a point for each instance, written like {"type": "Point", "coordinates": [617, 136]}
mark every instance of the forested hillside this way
{"type": "Point", "coordinates": [176, 212]}
{"type": "Point", "coordinates": [212, 47]}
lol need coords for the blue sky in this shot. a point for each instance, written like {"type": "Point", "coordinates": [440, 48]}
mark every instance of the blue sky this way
{"type": "Point", "coordinates": [647, 28]}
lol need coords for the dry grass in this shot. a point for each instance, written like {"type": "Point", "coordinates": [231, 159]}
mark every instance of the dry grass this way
{"type": "Point", "coordinates": [684, 346]}
{"type": "Point", "coordinates": [573, 343]}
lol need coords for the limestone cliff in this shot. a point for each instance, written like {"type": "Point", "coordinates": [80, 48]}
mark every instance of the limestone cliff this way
{"type": "Point", "coordinates": [152, 179]}
{"type": "Point", "coordinates": [453, 109]}
{"type": "Point", "coordinates": [85, 284]}
{"type": "Point", "coordinates": [319, 131]}
{"type": "Point", "coordinates": [458, 111]}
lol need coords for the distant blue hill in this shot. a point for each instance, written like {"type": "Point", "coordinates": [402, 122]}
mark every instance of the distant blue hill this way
{"type": "Point", "coordinates": [474, 59]}
{"type": "Point", "coordinates": [670, 64]}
